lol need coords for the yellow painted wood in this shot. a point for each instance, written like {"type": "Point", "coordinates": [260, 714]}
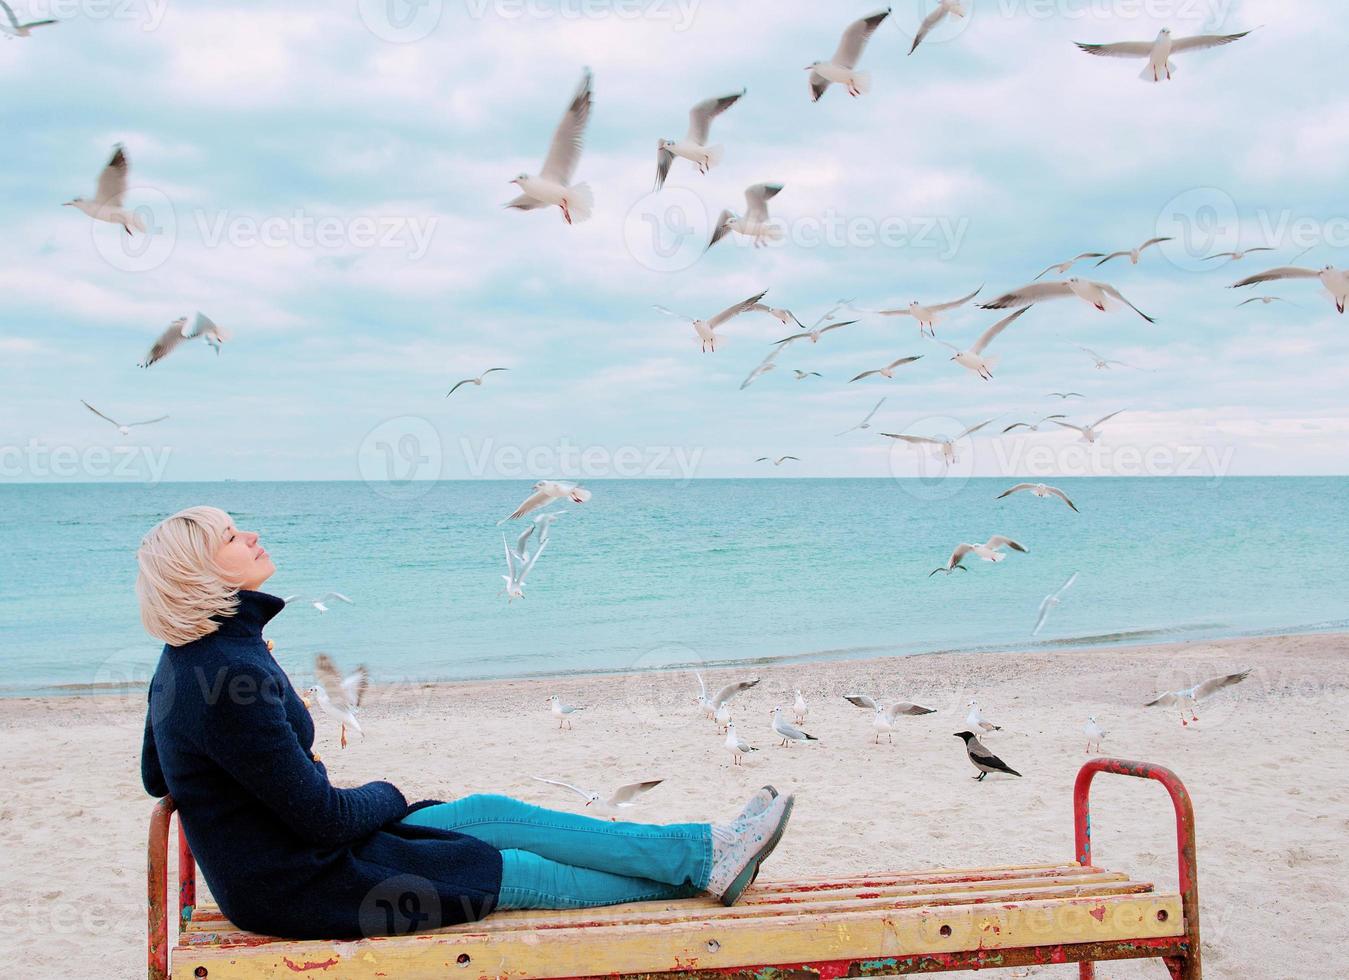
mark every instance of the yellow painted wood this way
{"type": "Point", "coordinates": [820, 902]}
{"type": "Point", "coordinates": [710, 943]}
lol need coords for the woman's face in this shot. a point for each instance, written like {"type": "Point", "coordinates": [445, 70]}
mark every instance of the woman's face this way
{"type": "Point", "coordinates": [244, 562]}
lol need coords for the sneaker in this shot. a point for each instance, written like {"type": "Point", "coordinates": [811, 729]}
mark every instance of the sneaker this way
{"type": "Point", "coordinates": [740, 847]}
{"type": "Point", "coordinates": [759, 802]}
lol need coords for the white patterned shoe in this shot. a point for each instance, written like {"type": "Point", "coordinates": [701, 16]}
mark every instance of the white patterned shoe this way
{"type": "Point", "coordinates": [759, 802]}
{"type": "Point", "coordinates": [739, 848]}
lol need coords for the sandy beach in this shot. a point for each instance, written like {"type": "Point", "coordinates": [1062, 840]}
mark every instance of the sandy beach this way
{"type": "Point", "coordinates": [1266, 765]}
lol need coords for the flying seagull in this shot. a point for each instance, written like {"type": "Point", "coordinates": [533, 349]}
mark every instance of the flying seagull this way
{"type": "Point", "coordinates": [1040, 490]}
{"type": "Point", "coordinates": [1062, 267]}
{"type": "Point", "coordinates": [755, 225]}
{"type": "Point", "coordinates": [545, 492]}
{"type": "Point", "coordinates": [339, 697]}
{"type": "Point", "coordinates": [889, 370]}
{"type": "Point", "coordinates": [973, 359]}
{"type": "Point", "coordinates": [179, 330]}
{"type": "Point", "coordinates": [1065, 395]}
{"type": "Point", "coordinates": [122, 429]}
{"type": "Point", "coordinates": [1239, 254]}
{"type": "Point", "coordinates": [107, 202]}
{"type": "Point", "coordinates": [1098, 294]}
{"type": "Point", "coordinates": [803, 375]}
{"type": "Point", "coordinates": [11, 27]}
{"type": "Point", "coordinates": [953, 7]}
{"type": "Point", "coordinates": [321, 604]}
{"type": "Point", "coordinates": [1191, 696]}
{"type": "Point", "coordinates": [1134, 253]}
{"type": "Point", "coordinates": [990, 550]}
{"type": "Point", "coordinates": [473, 381]}
{"type": "Point", "coordinates": [518, 566]}
{"type": "Point", "coordinates": [866, 422]}
{"type": "Point", "coordinates": [885, 716]}
{"type": "Point", "coordinates": [815, 333]}
{"type": "Point", "coordinates": [1051, 602]}
{"type": "Point", "coordinates": [982, 759]}
{"type": "Point", "coordinates": [694, 146]}
{"type": "Point", "coordinates": [1103, 363]}
{"type": "Point", "coordinates": [560, 709]}
{"type": "Point", "coordinates": [787, 731]}
{"type": "Point", "coordinates": [777, 462]}
{"type": "Point", "coordinates": [621, 798]}
{"type": "Point", "coordinates": [1089, 433]}
{"type": "Point", "coordinates": [553, 184]}
{"type": "Point", "coordinates": [1336, 281]}
{"type": "Point", "coordinates": [786, 316]}
{"type": "Point", "coordinates": [1032, 426]}
{"type": "Point", "coordinates": [842, 67]}
{"type": "Point", "coordinates": [948, 446]}
{"type": "Point", "coordinates": [764, 366]}
{"type": "Point", "coordinates": [1264, 300]}
{"type": "Point", "coordinates": [1159, 51]}
{"type": "Point", "coordinates": [706, 329]}
{"type": "Point", "coordinates": [927, 313]}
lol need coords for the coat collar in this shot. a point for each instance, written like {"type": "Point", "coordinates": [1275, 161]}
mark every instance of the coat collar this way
{"type": "Point", "coordinates": [255, 611]}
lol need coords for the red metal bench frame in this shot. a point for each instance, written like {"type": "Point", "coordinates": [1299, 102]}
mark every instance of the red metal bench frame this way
{"type": "Point", "coordinates": [1181, 954]}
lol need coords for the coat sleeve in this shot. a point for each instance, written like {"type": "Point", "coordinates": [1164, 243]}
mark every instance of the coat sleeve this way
{"type": "Point", "coordinates": [151, 774]}
{"type": "Point", "coordinates": [247, 734]}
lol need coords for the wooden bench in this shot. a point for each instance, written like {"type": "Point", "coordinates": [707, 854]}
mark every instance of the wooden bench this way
{"type": "Point", "coordinates": [802, 929]}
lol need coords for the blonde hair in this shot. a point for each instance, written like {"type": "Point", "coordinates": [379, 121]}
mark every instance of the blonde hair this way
{"type": "Point", "coordinates": [180, 587]}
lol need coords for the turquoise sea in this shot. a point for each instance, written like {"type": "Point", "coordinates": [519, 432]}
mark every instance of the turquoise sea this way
{"type": "Point", "coordinates": [657, 573]}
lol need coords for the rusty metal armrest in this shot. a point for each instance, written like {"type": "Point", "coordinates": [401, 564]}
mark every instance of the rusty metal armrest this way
{"type": "Point", "coordinates": [157, 866]}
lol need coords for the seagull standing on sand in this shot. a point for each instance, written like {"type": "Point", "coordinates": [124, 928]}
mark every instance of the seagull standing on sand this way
{"type": "Point", "coordinates": [885, 716]}
{"type": "Point", "coordinates": [842, 68]}
{"type": "Point", "coordinates": [10, 26]}
{"type": "Point", "coordinates": [1062, 267]}
{"type": "Point", "coordinates": [737, 746]}
{"type": "Point", "coordinates": [339, 697]}
{"type": "Point", "coordinates": [953, 7]}
{"type": "Point", "coordinates": [1099, 294]}
{"type": "Point", "coordinates": [1336, 281]}
{"type": "Point", "coordinates": [789, 732]}
{"type": "Point", "coordinates": [553, 184]}
{"type": "Point", "coordinates": [107, 202]}
{"type": "Point", "coordinates": [706, 329]}
{"type": "Point", "coordinates": [321, 603]}
{"type": "Point", "coordinates": [473, 381]}
{"type": "Point", "coordinates": [1032, 426]}
{"type": "Point", "coordinates": [178, 331]}
{"type": "Point", "coordinates": [982, 759]}
{"type": "Point", "coordinates": [974, 359]}
{"type": "Point", "coordinates": [1191, 696]}
{"type": "Point", "coordinates": [561, 711]}
{"type": "Point", "coordinates": [976, 720]}
{"type": "Point", "coordinates": [889, 370]}
{"type": "Point", "coordinates": [1040, 490]}
{"type": "Point", "coordinates": [1051, 602]}
{"type": "Point", "coordinates": [927, 314]}
{"type": "Point", "coordinates": [1159, 51]}
{"type": "Point", "coordinates": [1134, 253]}
{"type": "Point", "coordinates": [1094, 733]}
{"type": "Point", "coordinates": [620, 799]}
{"type": "Point", "coordinates": [694, 147]}
{"type": "Point", "coordinates": [122, 429]}
{"type": "Point", "coordinates": [800, 709]}
{"type": "Point", "coordinates": [866, 422]}
{"type": "Point", "coordinates": [755, 225]}
{"type": "Point", "coordinates": [990, 550]}
{"type": "Point", "coordinates": [545, 492]}
{"type": "Point", "coordinates": [1089, 432]}
{"type": "Point", "coordinates": [947, 446]}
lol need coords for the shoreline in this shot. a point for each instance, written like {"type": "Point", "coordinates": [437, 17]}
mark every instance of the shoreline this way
{"type": "Point", "coordinates": [1149, 638]}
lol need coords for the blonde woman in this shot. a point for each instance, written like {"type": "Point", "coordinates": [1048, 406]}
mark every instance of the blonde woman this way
{"type": "Point", "coordinates": [286, 853]}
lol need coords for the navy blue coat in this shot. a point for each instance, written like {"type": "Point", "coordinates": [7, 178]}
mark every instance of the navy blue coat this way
{"type": "Point", "coordinates": [284, 851]}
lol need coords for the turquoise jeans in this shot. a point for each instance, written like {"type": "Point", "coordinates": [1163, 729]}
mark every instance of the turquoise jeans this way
{"type": "Point", "coordinates": [556, 860]}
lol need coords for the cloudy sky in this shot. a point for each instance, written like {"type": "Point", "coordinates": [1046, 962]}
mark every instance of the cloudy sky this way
{"type": "Point", "coordinates": [326, 182]}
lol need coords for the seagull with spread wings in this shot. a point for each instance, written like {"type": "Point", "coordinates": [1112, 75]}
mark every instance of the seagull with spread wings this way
{"type": "Point", "coordinates": [763, 367]}
{"type": "Point", "coordinates": [122, 429]}
{"type": "Point", "coordinates": [974, 359]}
{"type": "Point", "coordinates": [866, 422]}
{"type": "Point", "coordinates": [1158, 51]}
{"type": "Point", "coordinates": [553, 185]}
{"type": "Point", "coordinates": [947, 446]}
{"type": "Point", "coordinates": [1134, 253]}
{"type": "Point", "coordinates": [1051, 602]}
{"type": "Point", "coordinates": [179, 330]}
{"type": "Point", "coordinates": [694, 147]}
{"type": "Point", "coordinates": [339, 697]}
{"type": "Point", "coordinates": [889, 370]}
{"type": "Point", "coordinates": [706, 329]}
{"type": "Point", "coordinates": [473, 381]}
{"type": "Point", "coordinates": [990, 550]}
{"type": "Point", "coordinates": [944, 7]}
{"type": "Point", "coordinates": [1041, 490]}
{"type": "Point", "coordinates": [1032, 426]}
{"type": "Point", "coordinates": [620, 799]}
{"type": "Point", "coordinates": [544, 493]}
{"type": "Point", "coordinates": [842, 67]}
{"type": "Point", "coordinates": [1089, 432]}
{"type": "Point", "coordinates": [755, 225]}
{"type": "Point", "coordinates": [1103, 363]}
{"type": "Point", "coordinates": [10, 25]}
{"type": "Point", "coordinates": [1099, 294]}
{"type": "Point", "coordinates": [813, 334]}
{"type": "Point", "coordinates": [1335, 281]}
{"type": "Point", "coordinates": [927, 314]}
{"type": "Point", "coordinates": [777, 462]}
{"type": "Point", "coordinates": [885, 716]}
{"type": "Point", "coordinates": [1191, 696]}
{"type": "Point", "coordinates": [321, 603]}
{"type": "Point", "coordinates": [1062, 267]}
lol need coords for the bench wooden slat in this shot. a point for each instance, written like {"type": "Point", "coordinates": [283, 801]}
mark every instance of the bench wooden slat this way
{"type": "Point", "coordinates": [715, 943]}
{"type": "Point", "coordinates": [772, 900]}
